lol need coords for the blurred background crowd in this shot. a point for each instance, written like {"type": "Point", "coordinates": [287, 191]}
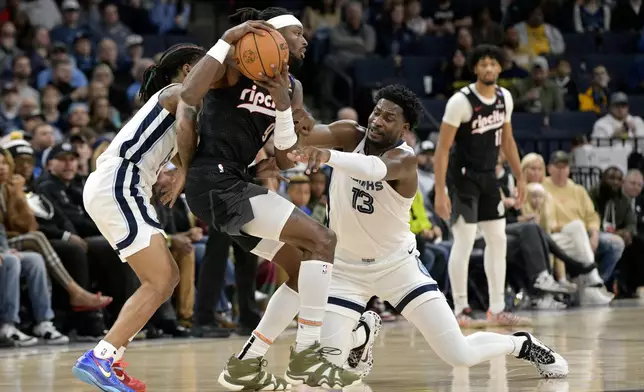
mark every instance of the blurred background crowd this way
{"type": "Point", "coordinates": [70, 72]}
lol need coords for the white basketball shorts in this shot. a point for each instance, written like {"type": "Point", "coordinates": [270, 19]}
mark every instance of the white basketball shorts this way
{"type": "Point", "coordinates": [119, 203]}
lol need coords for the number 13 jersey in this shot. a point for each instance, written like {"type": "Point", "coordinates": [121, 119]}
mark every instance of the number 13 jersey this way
{"type": "Point", "coordinates": [480, 123]}
{"type": "Point", "coordinates": [370, 219]}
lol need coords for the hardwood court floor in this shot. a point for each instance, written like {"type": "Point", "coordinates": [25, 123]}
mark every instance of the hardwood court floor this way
{"type": "Point", "coordinates": [604, 348]}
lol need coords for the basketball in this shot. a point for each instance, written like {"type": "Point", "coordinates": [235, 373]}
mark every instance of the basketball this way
{"type": "Point", "coordinates": [255, 53]}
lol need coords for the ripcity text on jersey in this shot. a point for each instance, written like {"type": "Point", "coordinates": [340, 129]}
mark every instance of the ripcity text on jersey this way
{"type": "Point", "coordinates": [235, 123]}
{"type": "Point", "coordinates": [477, 142]}
{"type": "Point", "coordinates": [370, 218]}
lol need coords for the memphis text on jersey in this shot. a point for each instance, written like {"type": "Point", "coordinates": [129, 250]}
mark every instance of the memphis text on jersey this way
{"type": "Point", "coordinates": [482, 124]}
{"type": "Point", "coordinates": [370, 185]}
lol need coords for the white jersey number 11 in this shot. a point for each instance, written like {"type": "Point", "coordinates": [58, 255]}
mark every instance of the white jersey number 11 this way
{"type": "Point", "coordinates": [497, 137]}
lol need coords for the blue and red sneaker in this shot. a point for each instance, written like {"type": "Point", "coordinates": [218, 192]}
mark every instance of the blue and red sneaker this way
{"type": "Point", "coordinates": [99, 373]}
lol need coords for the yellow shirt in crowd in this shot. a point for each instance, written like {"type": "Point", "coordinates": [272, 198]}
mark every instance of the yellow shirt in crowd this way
{"type": "Point", "coordinates": [418, 220]}
{"type": "Point", "coordinates": [572, 202]}
{"type": "Point", "coordinates": [538, 40]}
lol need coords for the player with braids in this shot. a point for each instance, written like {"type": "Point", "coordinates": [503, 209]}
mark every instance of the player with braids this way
{"type": "Point", "coordinates": [117, 197]}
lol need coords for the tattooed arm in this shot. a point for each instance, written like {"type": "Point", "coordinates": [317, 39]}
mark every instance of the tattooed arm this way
{"type": "Point", "coordinates": [186, 134]}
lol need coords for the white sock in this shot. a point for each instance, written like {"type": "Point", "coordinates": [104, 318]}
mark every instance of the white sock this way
{"type": "Point", "coordinates": [459, 262]}
{"type": "Point", "coordinates": [104, 350]}
{"type": "Point", "coordinates": [280, 311]}
{"type": "Point", "coordinates": [494, 262]}
{"type": "Point", "coordinates": [119, 353]}
{"type": "Point", "coordinates": [313, 285]}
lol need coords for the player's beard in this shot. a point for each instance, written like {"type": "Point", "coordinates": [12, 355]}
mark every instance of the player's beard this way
{"type": "Point", "coordinates": [294, 63]}
{"type": "Point", "coordinates": [488, 82]}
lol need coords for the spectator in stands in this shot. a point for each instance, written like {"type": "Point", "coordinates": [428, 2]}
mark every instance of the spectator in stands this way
{"type": "Point", "coordinates": [8, 48]}
{"type": "Point", "coordinates": [351, 40]}
{"type": "Point", "coordinates": [62, 71]}
{"type": "Point", "coordinates": [566, 239]}
{"type": "Point", "coordinates": [614, 208]}
{"type": "Point", "coordinates": [631, 269]}
{"type": "Point", "coordinates": [394, 38]}
{"type": "Point", "coordinates": [134, 46]}
{"type": "Point", "coordinates": [111, 27]}
{"type": "Point", "coordinates": [22, 77]}
{"type": "Point", "coordinates": [520, 53]}
{"type": "Point", "coordinates": [573, 203]}
{"type": "Point", "coordinates": [433, 257]}
{"type": "Point", "coordinates": [539, 37]}
{"type": "Point", "coordinates": [180, 245]}
{"type": "Point", "coordinates": [425, 157]}
{"type": "Point", "coordinates": [512, 72]}
{"type": "Point", "coordinates": [299, 192]}
{"type": "Point", "coordinates": [628, 15]}
{"type": "Point", "coordinates": [30, 267]}
{"type": "Point", "coordinates": [42, 139]}
{"type": "Point", "coordinates": [618, 123]}
{"type": "Point", "coordinates": [9, 108]}
{"type": "Point", "coordinates": [42, 13]}
{"type": "Point", "coordinates": [101, 118]}
{"type": "Point", "coordinates": [413, 18]}
{"type": "Point", "coordinates": [137, 74]}
{"type": "Point", "coordinates": [444, 17]}
{"type": "Point", "coordinates": [82, 52]}
{"type": "Point", "coordinates": [104, 74]}
{"type": "Point", "coordinates": [170, 17]}
{"type": "Point", "coordinates": [62, 186]}
{"type": "Point", "coordinates": [70, 28]}
{"type": "Point", "coordinates": [40, 47]}
{"type": "Point", "coordinates": [320, 15]}
{"type": "Point", "coordinates": [347, 113]}
{"type": "Point", "coordinates": [538, 94]}
{"type": "Point", "coordinates": [319, 200]}
{"type": "Point", "coordinates": [464, 41]}
{"type": "Point", "coordinates": [457, 74]}
{"type": "Point", "coordinates": [595, 99]}
{"type": "Point", "coordinates": [78, 115]}
{"type": "Point", "coordinates": [566, 84]}
{"type": "Point", "coordinates": [591, 16]}
{"type": "Point", "coordinates": [486, 30]}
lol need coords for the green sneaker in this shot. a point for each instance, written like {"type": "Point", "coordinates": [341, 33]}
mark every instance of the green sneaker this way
{"type": "Point", "coordinates": [311, 367]}
{"type": "Point", "coordinates": [248, 375]}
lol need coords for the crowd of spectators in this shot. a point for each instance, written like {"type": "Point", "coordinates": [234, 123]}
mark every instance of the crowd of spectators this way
{"type": "Point", "coordinates": [70, 72]}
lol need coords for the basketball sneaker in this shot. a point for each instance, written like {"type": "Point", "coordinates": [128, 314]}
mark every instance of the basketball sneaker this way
{"type": "Point", "coordinates": [248, 375]}
{"type": "Point", "coordinates": [311, 367]}
{"type": "Point", "coordinates": [467, 320]}
{"type": "Point", "coordinates": [507, 319]}
{"type": "Point", "coordinates": [119, 369]}
{"type": "Point", "coordinates": [98, 373]}
{"type": "Point", "coordinates": [549, 364]}
{"type": "Point", "coordinates": [360, 359]}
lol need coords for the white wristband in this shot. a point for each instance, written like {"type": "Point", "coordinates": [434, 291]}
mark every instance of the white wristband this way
{"type": "Point", "coordinates": [284, 136]}
{"type": "Point", "coordinates": [219, 51]}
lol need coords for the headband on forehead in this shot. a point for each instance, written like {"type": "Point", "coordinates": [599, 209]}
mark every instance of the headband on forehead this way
{"type": "Point", "coordinates": [284, 20]}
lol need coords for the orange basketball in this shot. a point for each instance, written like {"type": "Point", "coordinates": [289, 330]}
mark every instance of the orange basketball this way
{"type": "Point", "coordinates": [255, 53]}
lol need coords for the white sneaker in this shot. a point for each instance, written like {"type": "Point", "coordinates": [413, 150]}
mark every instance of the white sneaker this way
{"type": "Point", "coordinates": [594, 296]}
{"type": "Point", "coordinates": [545, 282]}
{"type": "Point", "coordinates": [360, 358]}
{"type": "Point", "coordinates": [549, 364]}
{"type": "Point", "coordinates": [548, 302]}
{"type": "Point", "coordinates": [47, 332]}
{"type": "Point", "coordinates": [10, 331]}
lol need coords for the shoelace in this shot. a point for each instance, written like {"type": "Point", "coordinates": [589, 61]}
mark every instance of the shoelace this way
{"type": "Point", "coordinates": [322, 351]}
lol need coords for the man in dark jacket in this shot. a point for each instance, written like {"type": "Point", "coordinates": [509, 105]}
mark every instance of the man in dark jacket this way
{"type": "Point", "coordinates": [67, 221]}
{"type": "Point", "coordinates": [631, 268]}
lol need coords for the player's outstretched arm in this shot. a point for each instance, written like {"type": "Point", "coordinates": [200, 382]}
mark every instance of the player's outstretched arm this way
{"type": "Point", "coordinates": [393, 165]}
{"type": "Point", "coordinates": [212, 66]}
{"type": "Point", "coordinates": [343, 133]}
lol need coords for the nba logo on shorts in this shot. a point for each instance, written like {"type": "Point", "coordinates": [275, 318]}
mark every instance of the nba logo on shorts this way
{"type": "Point", "coordinates": [221, 168]}
{"type": "Point", "coordinates": [324, 269]}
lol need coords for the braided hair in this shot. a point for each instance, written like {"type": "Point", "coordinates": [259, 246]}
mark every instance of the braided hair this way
{"type": "Point", "coordinates": [248, 13]}
{"type": "Point", "coordinates": [160, 75]}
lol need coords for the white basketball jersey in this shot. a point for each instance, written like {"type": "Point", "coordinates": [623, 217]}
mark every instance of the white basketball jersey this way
{"type": "Point", "coordinates": [148, 140]}
{"type": "Point", "coordinates": [370, 218]}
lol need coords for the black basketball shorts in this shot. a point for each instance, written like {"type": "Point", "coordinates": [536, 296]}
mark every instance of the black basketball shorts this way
{"type": "Point", "coordinates": [251, 214]}
{"type": "Point", "coordinates": [476, 196]}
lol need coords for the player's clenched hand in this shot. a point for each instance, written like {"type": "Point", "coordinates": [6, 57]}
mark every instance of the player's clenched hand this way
{"type": "Point", "coordinates": [442, 205]}
{"type": "Point", "coordinates": [278, 86]}
{"type": "Point", "coordinates": [312, 156]}
{"type": "Point", "coordinates": [267, 168]}
{"type": "Point", "coordinates": [170, 192]}
{"type": "Point", "coordinates": [236, 33]}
